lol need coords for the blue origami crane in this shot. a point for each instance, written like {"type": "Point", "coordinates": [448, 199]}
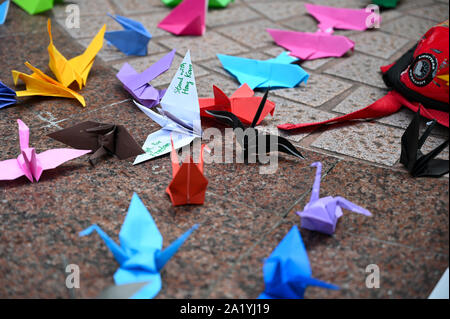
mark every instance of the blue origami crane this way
{"type": "Point", "coordinates": [140, 253]}
{"type": "Point", "coordinates": [131, 41]}
{"type": "Point", "coordinates": [4, 11]}
{"type": "Point", "coordinates": [274, 73]}
{"type": "Point", "coordinates": [7, 96]}
{"type": "Point", "coordinates": [287, 272]}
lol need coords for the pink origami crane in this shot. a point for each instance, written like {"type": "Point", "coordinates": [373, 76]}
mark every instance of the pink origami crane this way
{"type": "Point", "coordinates": [342, 18]}
{"type": "Point", "coordinates": [188, 18]}
{"type": "Point", "coordinates": [31, 164]}
{"type": "Point", "coordinates": [322, 214]}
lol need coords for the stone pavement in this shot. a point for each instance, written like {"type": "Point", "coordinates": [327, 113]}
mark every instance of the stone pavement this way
{"type": "Point", "coordinates": [245, 214]}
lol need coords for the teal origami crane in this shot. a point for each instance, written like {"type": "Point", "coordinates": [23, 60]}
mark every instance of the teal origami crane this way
{"type": "Point", "coordinates": [274, 73]}
{"type": "Point", "coordinates": [4, 11]}
{"type": "Point", "coordinates": [133, 40]}
{"type": "Point", "coordinates": [211, 4]}
{"type": "Point", "coordinates": [140, 253]}
{"type": "Point", "coordinates": [287, 272]}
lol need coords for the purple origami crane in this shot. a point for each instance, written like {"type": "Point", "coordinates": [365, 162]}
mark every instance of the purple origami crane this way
{"type": "Point", "coordinates": [322, 214]}
{"type": "Point", "coordinates": [138, 84]}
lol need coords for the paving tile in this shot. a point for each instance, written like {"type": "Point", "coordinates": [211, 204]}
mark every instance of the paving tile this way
{"type": "Point", "coordinates": [141, 64]}
{"type": "Point", "coordinates": [137, 6]}
{"type": "Point", "coordinates": [280, 10]}
{"type": "Point", "coordinates": [252, 34]}
{"type": "Point", "coordinates": [151, 21]}
{"type": "Point", "coordinates": [87, 8]}
{"type": "Point", "coordinates": [408, 27]}
{"type": "Point", "coordinates": [407, 5]}
{"type": "Point", "coordinates": [232, 15]}
{"type": "Point", "coordinates": [304, 23]}
{"type": "Point", "coordinates": [360, 68]}
{"type": "Point", "coordinates": [204, 47]}
{"type": "Point", "coordinates": [318, 90]}
{"type": "Point", "coordinates": [378, 44]}
{"type": "Point", "coordinates": [438, 12]}
{"type": "Point", "coordinates": [205, 85]}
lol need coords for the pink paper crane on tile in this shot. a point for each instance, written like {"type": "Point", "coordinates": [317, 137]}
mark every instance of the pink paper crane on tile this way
{"type": "Point", "coordinates": [31, 164]}
{"type": "Point", "coordinates": [322, 214]}
{"type": "Point", "coordinates": [188, 18]}
{"type": "Point", "coordinates": [323, 44]}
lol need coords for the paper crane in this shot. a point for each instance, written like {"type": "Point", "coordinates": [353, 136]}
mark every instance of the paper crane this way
{"type": "Point", "coordinates": [242, 103]}
{"type": "Point", "coordinates": [249, 138]}
{"type": "Point", "coordinates": [386, 3]}
{"type": "Point", "coordinates": [36, 6]}
{"type": "Point", "coordinates": [140, 254]}
{"type": "Point", "coordinates": [322, 214]}
{"type": "Point", "coordinates": [4, 7]}
{"type": "Point", "coordinates": [102, 138]}
{"type": "Point", "coordinates": [188, 18]}
{"type": "Point", "coordinates": [212, 3]}
{"type": "Point", "coordinates": [418, 164]}
{"type": "Point", "coordinates": [275, 73]}
{"type": "Point", "coordinates": [7, 96]}
{"type": "Point", "coordinates": [78, 68]}
{"type": "Point", "coordinates": [41, 84]}
{"type": "Point", "coordinates": [138, 85]}
{"type": "Point", "coordinates": [188, 185]}
{"type": "Point", "coordinates": [131, 41]}
{"type": "Point", "coordinates": [30, 163]}
{"type": "Point", "coordinates": [287, 272]}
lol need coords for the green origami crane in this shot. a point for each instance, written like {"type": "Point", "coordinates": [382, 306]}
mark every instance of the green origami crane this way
{"type": "Point", "coordinates": [386, 3]}
{"type": "Point", "coordinates": [212, 3]}
{"type": "Point", "coordinates": [36, 6]}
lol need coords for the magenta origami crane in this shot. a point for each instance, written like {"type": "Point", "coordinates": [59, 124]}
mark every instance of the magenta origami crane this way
{"type": "Point", "coordinates": [31, 164]}
{"type": "Point", "coordinates": [188, 18]}
{"type": "Point", "coordinates": [323, 44]}
{"type": "Point", "coordinates": [138, 85]}
{"type": "Point", "coordinates": [322, 214]}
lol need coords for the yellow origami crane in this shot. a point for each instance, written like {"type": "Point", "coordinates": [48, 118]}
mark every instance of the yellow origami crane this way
{"type": "Point", "coordinates": [40, 84]}
{"type": "Point", "coordinates": [78, 68]}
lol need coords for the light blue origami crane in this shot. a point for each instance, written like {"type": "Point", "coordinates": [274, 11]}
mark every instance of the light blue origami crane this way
{"type": "Point", "coordinates": [4, 11]}
{"type": "Point", "coordinates": [7, 96]}
{"type": "Point", "coordinates": [287, 272]}
{"type": "Point", "coordinates": [273, 73]}
{"type": "Point", "coordinates": [140, 253]}
{"type": "Point", "coordinates": [131, 41]}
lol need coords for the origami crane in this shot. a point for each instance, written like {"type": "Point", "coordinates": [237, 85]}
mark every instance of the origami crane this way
{"type": "Point", "coordinates": [322, 214]}
{"type": "Point", "coordinates": [102, 139]}
{"type": "Point", "coordinates": [418, 164]}
{"type": "Point", "coordinates": [78, 68]}
{"type": "Point", "coordinates": [243, 104]}
{"type": "Point", "coordinates": [131, 41]}
{"type": "Point", "coordinates": [386, 3]}
{"type": "Point", "coordinates": [7, 96]}
{"type": "Point", "coordinates": [31, 164]}
{"type": "Point", "coordinates": [188, 18]}
{"type": "Point", "coordinates": [138, 85]}
{"type": "Point", "coordinates": [36, 6]}
{"type": "Point", "coordinates": [287, 272]}
{"type": "Point", "coordinates": [250, 138]}
{"type": "Point", "coordinates": [4, 7]}
{"type": "Point", "coordinates": [40, 84]}
{"type": "Point", "coordinates": [310, 46]}
{"type": "Point", "coordinates": [179, 115]}
{"type": "Point", "coordinates": [331, 18]}
{"type": "Point", "coordinates": [188, 185]}
{"type": "Point", "coordinates": [140, 254]}
{"type": "Point", "coordinates": [212, 3]}
{"type": "Point", "coordinates": [274, 73]}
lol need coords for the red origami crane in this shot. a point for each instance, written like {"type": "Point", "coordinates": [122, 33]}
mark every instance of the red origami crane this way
{"type": "Point", "coordinates": [188, 185]}
{"type": "Point", "coordinates": [242, 103]}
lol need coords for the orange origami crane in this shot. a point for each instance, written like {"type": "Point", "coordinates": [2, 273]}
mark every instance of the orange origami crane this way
{"type": "Point", "coordinates": [188, 185]}
{"type": "Point", "coordinates": [242, 103]}
{"type": "Point", "coordinates": [39, 83]}
{"type": "Point", "coordinates": [78, 68]}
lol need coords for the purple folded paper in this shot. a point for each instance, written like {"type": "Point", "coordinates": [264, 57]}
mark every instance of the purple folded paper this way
{"type": "Point", "coordinates": [138, 85]}
{"type": "Point", "coordinates": [322, 214]}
